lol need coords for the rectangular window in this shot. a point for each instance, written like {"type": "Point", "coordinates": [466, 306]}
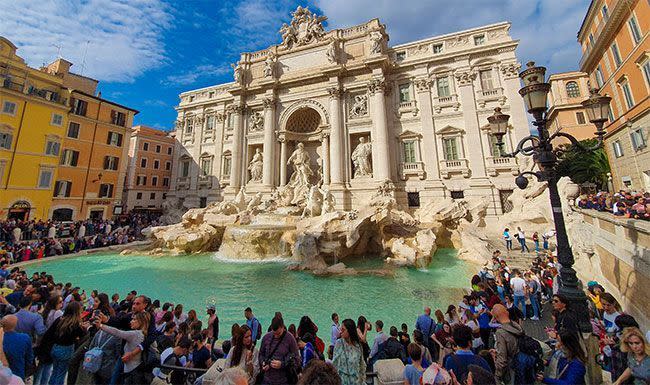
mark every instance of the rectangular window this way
{"type": "Point", "coordinates": [616, 54]}
{"type": "Point", "coordinates": [118, 118]}
{"type": "Point", "coordinates": [114, 139]}
{"type": "Point", "coordinates": [143, 162]}
{"type": "Point", "coordinates": [443, 86]}
{"type": "Point", "coordinates": [141, 180]}
{"type": "Point", "coordinates": [138, 196]}
{"type": "Point", "coordinates": [154, 181]}
{"type": "Point", "coordinates": [605, 12]}
{"type": "Point", "coordinates": [152, 196]}
{"type": "Point", "coordinates": [591, 39]}
{"type": "Point", "coordinates": [486, 79]}
{"type": "Point", "coordinates": [580, 117]}
{"type": "Point", "coordinates": [450, 148]}
{"type": "Point", "coordinates": [5, 140]}
{"type": "Point", "coordinates": [111, 162]}
{"type": "Point", "coordinates": [404, 93]}
{"type": "Point", "coordinates": [57, 120]}
{"type": "Point", "coordinates": [52, 148]}
{"type": "Point", "coordinates": [70, 158]}
{"type": "Point", "coordinates": [203, 202]}
{"type": "Point", "coordinates": [185, 168]}
{"type": "Point", "coordinates": [600, 79]}
{"type": "Point", "coordinates": [495, 149]}
{"type": "Point", "coordinates": [156, 164]}
{"type": "Point", "coordinates": [618, 149]}
{"type": "Point", "coordinates": [209, 123]}
{"type": "Point", "coordinates": [646, 72]}
{"type": "Point", "coordinates": [9, 108]}
{"type": "Point", "coordinates": [437, 48]}
{"type": "Point", "coordinates": [189, 126]}
{"type": "Point", "coordinates": [165, 182]}
{"type": "Point", "coordinates": [158, 148]}
{"type": "Point", "coordinates": [627, 92]}
{"type": "Point", "coordinates": [634, 30]}
{"type": "Point", "coordinates": [145, 146]}
{"type": "Point", "coordinates": [105, 190]}
{"type": "Point", "coordinates": [409, 152]}
{"type": "Point", "coordinates": [62, 188]}
{"type": "Point", "coordinates": [169, 150]}
{"type": "Point", "coordinates": [400, 56]}
{"type": "Point", "coordinates": [226, 166]}
{"type": "Point", "coordinates": [479, 39]}
{"type": "Point", "coordinates": [168, 166]}
{"type": "Point", "coordinates": [206, 166]}
{"type": "Point", "coordinates": [231, 118]}
{"type": "Point", "coordinates": [413, 199]}
{"type": "Point", "coordinates": [45, 178]}
{"type": "Point", "coordinates": [638, 139]}
{"type": "Point", "coordinates": [73, 130]}
{"type": "Point", "coordinates": [457, 194]}
{"type": "Point", "coordinates": [79, 107]}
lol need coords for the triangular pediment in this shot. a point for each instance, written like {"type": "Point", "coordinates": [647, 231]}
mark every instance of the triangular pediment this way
{"type": "Point", "coordinates": [409, 134]}
{"type": "Point", "coordinates": [450, 130]}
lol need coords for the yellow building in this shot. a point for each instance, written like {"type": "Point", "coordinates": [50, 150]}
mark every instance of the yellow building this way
{"type": "Point", "coordinates": [616, 55]}
{"type": "Point", "coordinates": [33, 117]}
{"type": "Point", "coordinates": [566, 114]}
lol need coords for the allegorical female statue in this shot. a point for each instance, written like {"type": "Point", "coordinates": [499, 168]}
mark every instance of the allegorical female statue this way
{"type": "Point", "coordinates": [361, 158]}
{"type": "Point", "coordinates": [255, 166]}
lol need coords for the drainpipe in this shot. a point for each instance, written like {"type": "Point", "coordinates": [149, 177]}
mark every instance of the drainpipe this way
{"type": "Point", "coordinates": [92, 147]}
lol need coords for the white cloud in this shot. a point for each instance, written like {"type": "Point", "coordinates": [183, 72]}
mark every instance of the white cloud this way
{"type": "Point", "coordinates": [547, 28]}
{"type": "Point", "coordinates": [191, 76]}
{"type": "Point", "coordinates": [123, 38]}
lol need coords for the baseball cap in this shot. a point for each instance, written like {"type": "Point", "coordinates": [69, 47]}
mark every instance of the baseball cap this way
{"type": "Point", "coordinates": [210, 307]}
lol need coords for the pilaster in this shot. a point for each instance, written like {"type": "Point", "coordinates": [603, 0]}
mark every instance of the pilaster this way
{"type": "Point", "coordinates": [268, 169]}
{"type": "Point", "coordinates": [237, 144]}
{"type": "Point", "coordinates": [474, 153]}
{"type": "Point", "coordinates": [336, 147]}
{"type": "Point", "coordinates": [430, 156]}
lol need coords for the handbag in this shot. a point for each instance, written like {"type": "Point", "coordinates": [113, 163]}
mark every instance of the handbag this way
{"type": "Point", "coordinates": [260, 376]}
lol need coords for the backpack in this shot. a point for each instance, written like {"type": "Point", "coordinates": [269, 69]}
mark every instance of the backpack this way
{"type": "Point", "coordinates": [93, 357]}
{"type": "Point", "coordinates": [528, 361]}
{"type": "Point", "coordinates": [259, 331]}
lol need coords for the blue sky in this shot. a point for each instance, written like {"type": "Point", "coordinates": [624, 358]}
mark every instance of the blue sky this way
{"type": "Point", "coordinates": [146, 52]}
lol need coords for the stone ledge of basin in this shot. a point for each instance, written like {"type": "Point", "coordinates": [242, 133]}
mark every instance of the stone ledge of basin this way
{"type": "Point", "coordinates": [81, 253]}
{"type": "Point", "coordinates": [636, 224]}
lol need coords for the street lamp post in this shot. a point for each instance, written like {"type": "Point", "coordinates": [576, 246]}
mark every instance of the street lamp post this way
{"type": "Point", "coordinates": [545, 156]}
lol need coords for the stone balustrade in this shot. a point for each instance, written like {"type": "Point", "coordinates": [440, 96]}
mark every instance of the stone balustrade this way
{"type": "Point", "coordinates": [620, 261]}
{"type": "Point", "coordinates": [497, 164]}
{"type": "Point", "coordinates": [411, 168]}
{"type": "Point", "coordinates": [454, 166]}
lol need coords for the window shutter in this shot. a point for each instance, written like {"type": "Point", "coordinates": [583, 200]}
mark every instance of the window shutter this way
{"type": "Point", "coordinates": [110, 190]}
{"type": "Point", "coordinates": [119, 140]}
{"type": "Point", "coordinates": [634, 142]}
{"type": "Point", "coordinates": [68, 186]}
{"type": "Point", "coordinates": [106, 162]}
{"type": "Point", "coordinates": [108, 139]}
{"type": "Point", "coordinates": [75, 157]}
{"type": "Point", "coordinates": [57, 187]}
{"type": "Point", "coordinates": [116, 163]}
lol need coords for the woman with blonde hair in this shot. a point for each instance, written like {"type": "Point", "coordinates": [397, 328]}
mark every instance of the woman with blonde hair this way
{"type": "Point", "coordinates": [638, 357]}
{"type": "Point", "coordinates": [62, 335]}
{"type": "Point", "coordinates": [133, 368]}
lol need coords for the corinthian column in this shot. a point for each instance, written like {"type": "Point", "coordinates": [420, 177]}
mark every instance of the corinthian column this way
{"type": "Point", "coordinates": [237, 144]}
{"type": "Point", "coordinates": [380, 150]}
{"type": "Point", "coordinates": [336, 147]}
{"type": "Point", "coordinates": [283, 161]}
{"type": "Point", "coordinates": [326, 159]}
{"type": "Point", "coordinates": [423, 88]}
{"type": "Point", "coordinates": [268, 177]}
{"type": "Point", "coordinates": [474, 153]}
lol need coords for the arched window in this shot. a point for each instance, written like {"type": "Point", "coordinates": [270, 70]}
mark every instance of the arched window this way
{"type": "Point", "coordinates": [572, 90]}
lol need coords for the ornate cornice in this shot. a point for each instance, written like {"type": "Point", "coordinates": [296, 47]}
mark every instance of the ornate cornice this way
{"type": "Point", "coordinates": [377, 85]}
{"type": "Point", "coordinates": [510, 70]}
{"type": "Point", "coordinates": [335, 92]}
{"type": "Point", "coordinates": [221, 116]}
{"type": "Point", "coordinates": [269, 102]}
{"type": "Point", "coordinates": [464, 78]}
{"type": "Point", "coordinates": [423, 84]}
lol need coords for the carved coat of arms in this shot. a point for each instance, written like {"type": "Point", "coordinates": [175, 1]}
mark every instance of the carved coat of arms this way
{"type": "Point", "coordinates": [305, 28]}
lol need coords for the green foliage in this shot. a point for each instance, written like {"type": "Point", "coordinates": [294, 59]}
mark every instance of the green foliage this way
{"type": "Point", "coordinates": [585, 166]}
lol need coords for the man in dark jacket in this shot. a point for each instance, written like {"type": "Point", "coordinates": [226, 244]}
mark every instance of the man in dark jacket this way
{"type": "Point", "coordinates": [392, 348]}
{"type": "Point", "coordinates": [506, 343]}
{"type": "Point", "coordinates": [278, 352]}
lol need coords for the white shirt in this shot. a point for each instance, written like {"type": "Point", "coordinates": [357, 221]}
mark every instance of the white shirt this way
{"type": "Point", "coordinates": [518, 285]}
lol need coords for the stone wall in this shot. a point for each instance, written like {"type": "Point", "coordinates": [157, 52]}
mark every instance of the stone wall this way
{"type": "Point", "coordinates": [621, 248]}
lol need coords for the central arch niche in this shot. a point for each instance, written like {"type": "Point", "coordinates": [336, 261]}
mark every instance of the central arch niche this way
{"type": "Point", "coordinates": [304, 121]}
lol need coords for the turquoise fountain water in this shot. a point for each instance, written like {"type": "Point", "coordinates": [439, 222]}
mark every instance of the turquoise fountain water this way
{"type": "Point", "coordinates": [198, 280]}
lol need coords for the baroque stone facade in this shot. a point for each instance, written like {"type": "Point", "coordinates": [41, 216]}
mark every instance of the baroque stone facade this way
{"type": "Point", "coordinates": [365, 112]}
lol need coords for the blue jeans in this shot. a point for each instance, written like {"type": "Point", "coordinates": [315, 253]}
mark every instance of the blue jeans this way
{"type": "Point", "coordinates": [60, 359]}
{"type": "Point", "coordinates": [534, 304]}
{"type": "Point", "coordinates": [520, 299]}
{"type": "Point", "coordinates": [536, 246]}
{"type": "Point", "coordinates": [522, 242]}
{"type": "Point", "coordinates": [508, 244]}
{"type": "Point", "coordinates": [43, 373]}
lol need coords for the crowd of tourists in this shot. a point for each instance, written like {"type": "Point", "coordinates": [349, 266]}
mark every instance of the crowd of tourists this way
{"type": "Point", "coordinates": [25, 240]}
{"type": "Point", "coordinates": [628, 204]}
{"type": "Point", "coordinates": [55, 333]}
